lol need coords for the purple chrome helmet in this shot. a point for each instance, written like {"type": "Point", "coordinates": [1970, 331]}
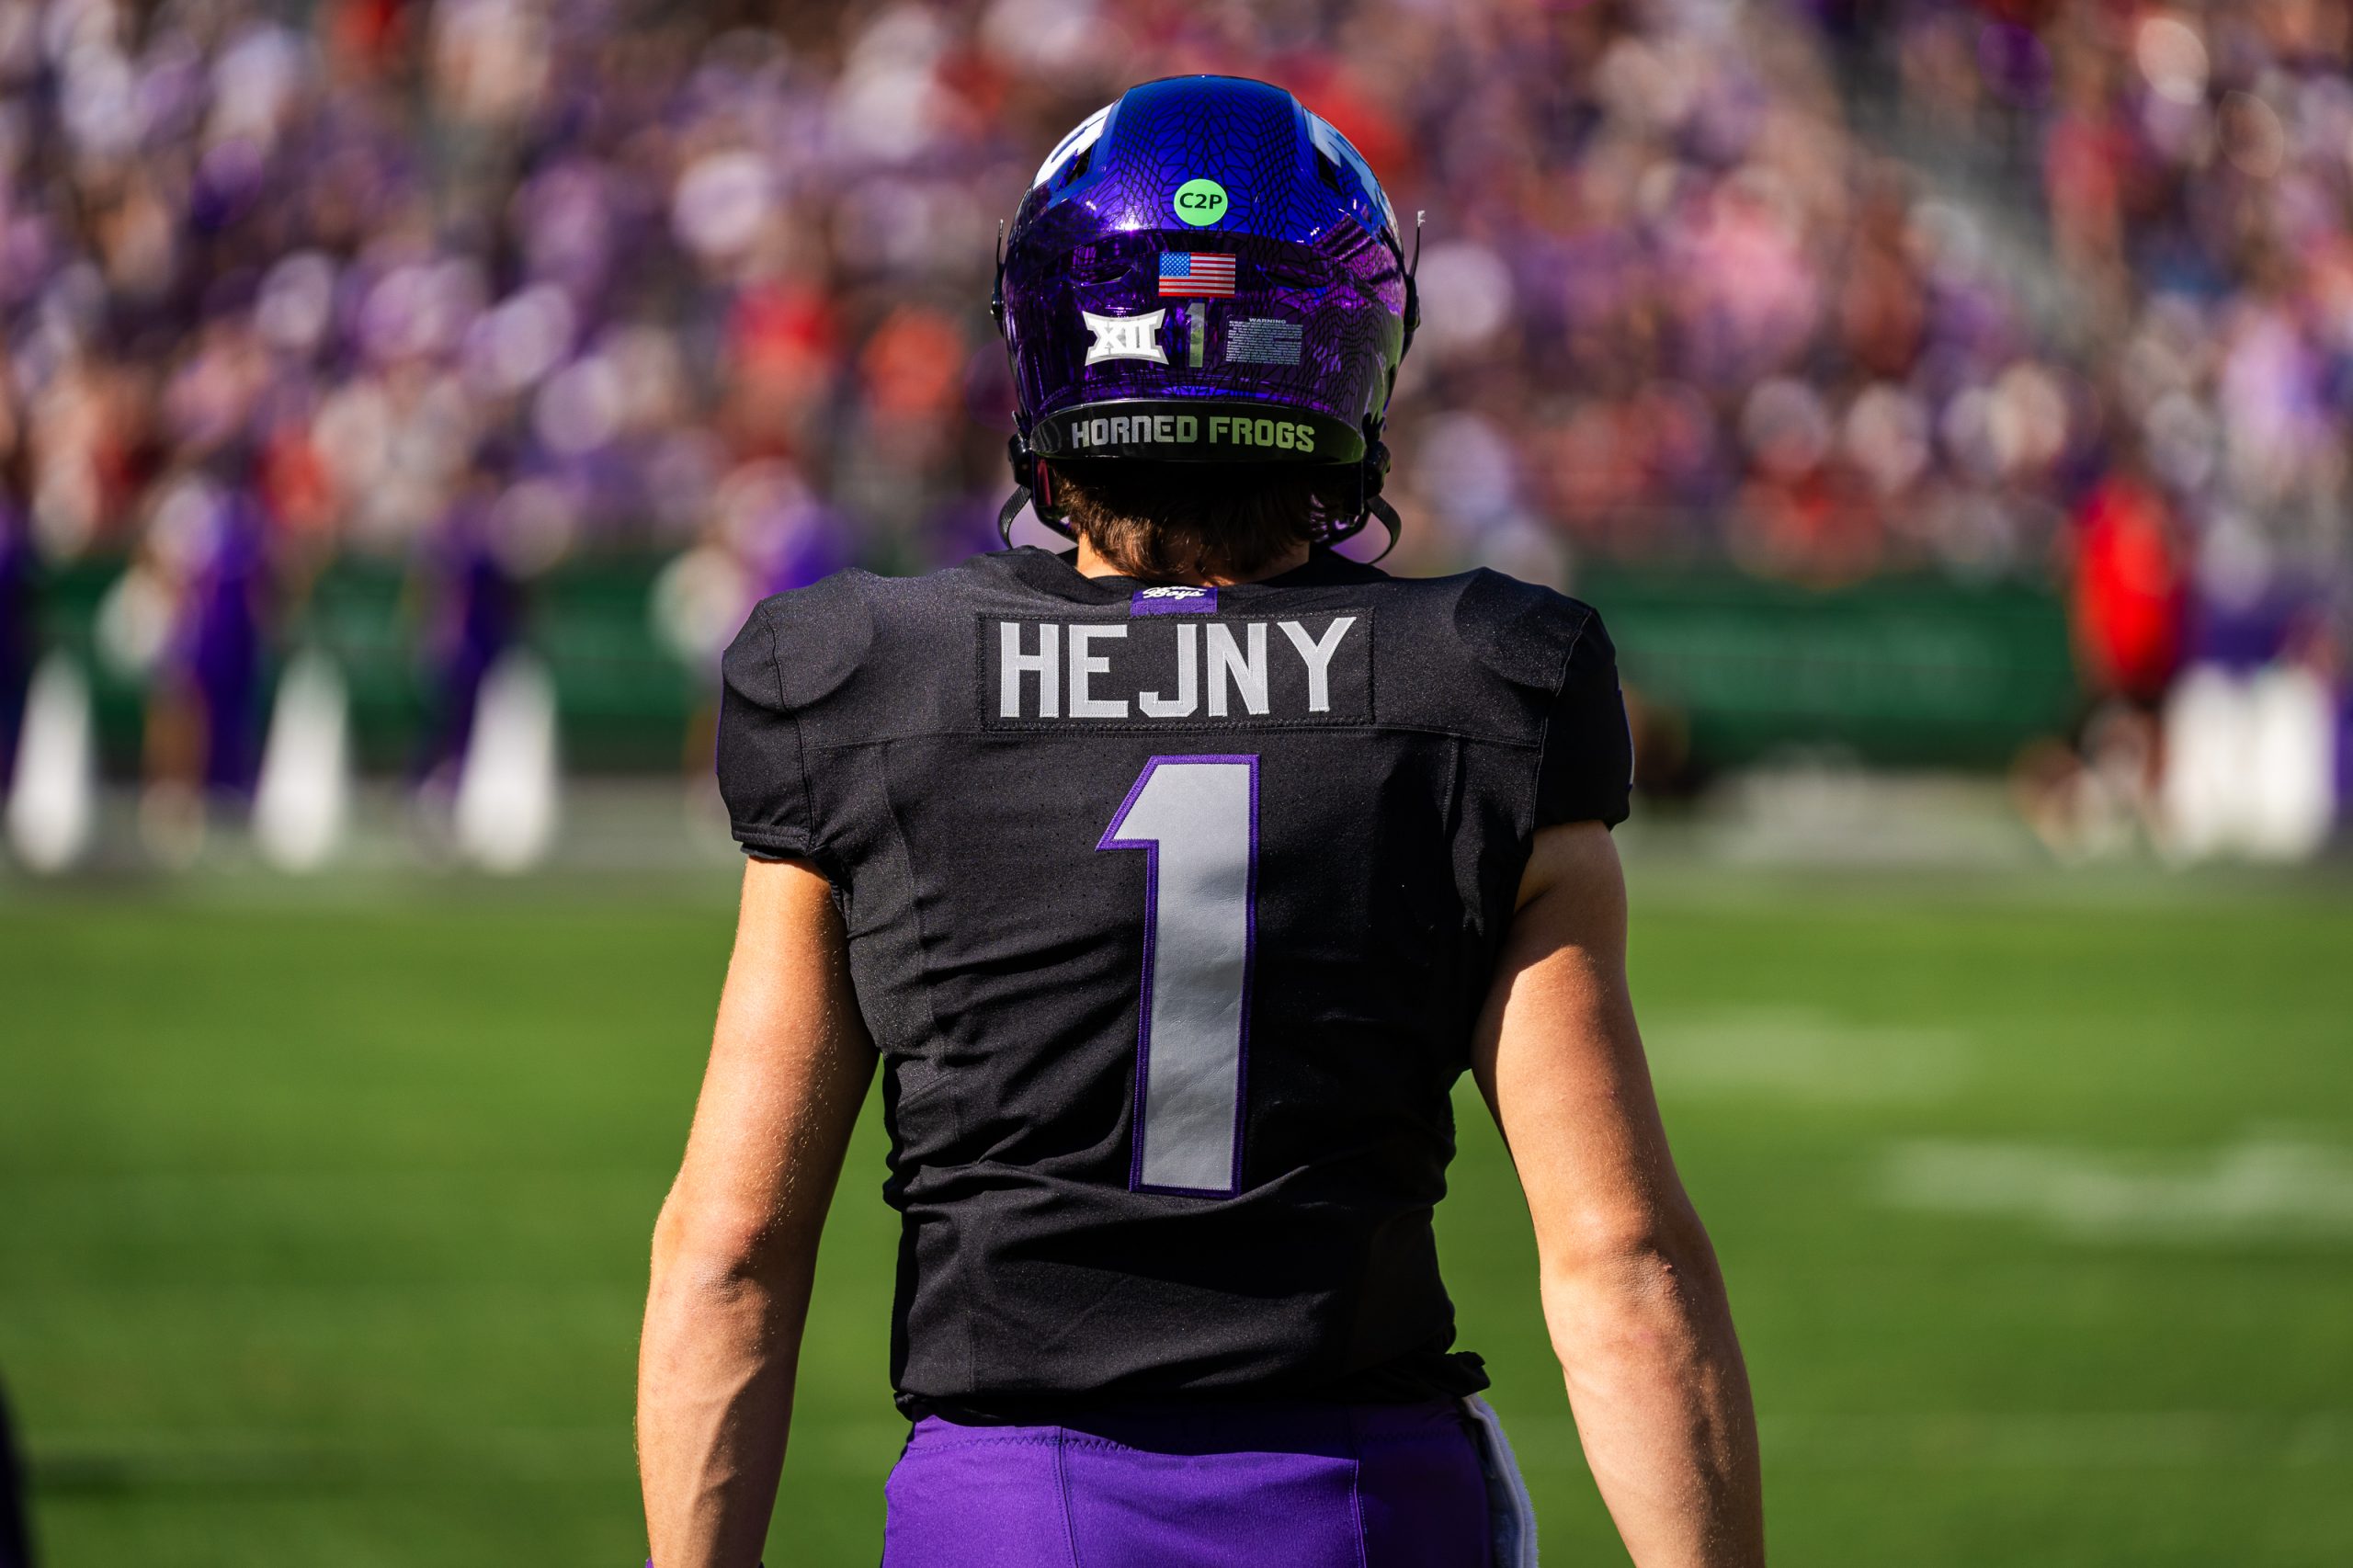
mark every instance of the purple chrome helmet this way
{"type": "Point", "coordinates": [1203, 272]}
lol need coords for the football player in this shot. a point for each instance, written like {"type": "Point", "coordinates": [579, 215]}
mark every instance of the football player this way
{"type": "Point", "coordinates": [1173, 880]}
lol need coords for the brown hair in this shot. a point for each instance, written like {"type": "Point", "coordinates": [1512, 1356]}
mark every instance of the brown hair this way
{"type": "Point", "coordinates": [1158, 521]}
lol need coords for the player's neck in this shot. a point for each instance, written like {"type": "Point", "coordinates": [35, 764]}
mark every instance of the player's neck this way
{"type": "Point", "coordinates": [1091, 564]}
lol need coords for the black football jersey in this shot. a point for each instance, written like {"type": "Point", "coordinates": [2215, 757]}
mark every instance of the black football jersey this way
{"type": "Point", "coordinates": [1171, 911]}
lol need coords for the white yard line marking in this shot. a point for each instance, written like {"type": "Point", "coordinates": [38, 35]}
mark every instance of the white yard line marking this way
{"type": "Point", "coordinates": [1802, 1055]}
{"type": "Point", "coordinates": [2263, 1186]}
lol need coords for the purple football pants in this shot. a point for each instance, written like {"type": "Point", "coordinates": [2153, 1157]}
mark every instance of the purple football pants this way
{"type": "Point", "coordinates": [1165, 1486]}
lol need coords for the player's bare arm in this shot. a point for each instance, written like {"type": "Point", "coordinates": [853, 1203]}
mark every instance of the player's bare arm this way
{"type": "Point", "coordinates": [1632, 1295]}
{"type": "Point", "coordinates": [736, 1248]}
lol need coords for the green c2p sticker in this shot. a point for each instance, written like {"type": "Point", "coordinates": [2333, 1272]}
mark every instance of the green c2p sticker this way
{"type": "Point", "coordinates": [1200, 202]}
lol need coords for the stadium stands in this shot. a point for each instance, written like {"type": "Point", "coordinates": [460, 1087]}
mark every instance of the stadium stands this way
{"type": "Point", "coordinates": [1815, 294]}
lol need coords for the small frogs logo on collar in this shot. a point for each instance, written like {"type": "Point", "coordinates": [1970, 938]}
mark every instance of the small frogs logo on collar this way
{"type": "Point", "coordinates": [1174, 598]}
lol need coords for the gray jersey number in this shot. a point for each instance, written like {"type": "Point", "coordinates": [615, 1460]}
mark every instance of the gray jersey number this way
{"type": "Point", "coordinates": [1196, 818]}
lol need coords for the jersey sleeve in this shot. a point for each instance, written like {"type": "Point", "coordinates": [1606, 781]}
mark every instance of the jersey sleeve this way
{"type": "Point", "coordinates": [762, 769]}
{"type": "Point", "coordinates": [787, 681]}
{"type": "Point", "coordinates": [1586, 769]}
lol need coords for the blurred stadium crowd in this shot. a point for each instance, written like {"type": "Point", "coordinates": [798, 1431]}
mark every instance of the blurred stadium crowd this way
{"type": "Point", "coordinates": [480, 286]}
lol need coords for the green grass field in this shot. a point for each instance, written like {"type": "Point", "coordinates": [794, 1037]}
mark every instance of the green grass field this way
{"type": "Point", "coordinates": [323, 1218]}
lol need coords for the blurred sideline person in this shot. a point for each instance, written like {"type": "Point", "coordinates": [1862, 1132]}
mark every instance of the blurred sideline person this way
{"type": "Point", "coordinates": [1173, 881]}
{"type": "Point", "coordinates": [202, 745]}
{"type": "Point", "coordinates": [490, 758]}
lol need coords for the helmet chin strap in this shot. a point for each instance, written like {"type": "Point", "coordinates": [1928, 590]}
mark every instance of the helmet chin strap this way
{"type": "Point", "coordinates": [1033, 487]}
{"type": "Point", "coordinates": [1015, 505]}
{"type": "Point", "coordinates": [1372, 474]}
{"type": "Point", "coordinates": [1387, 517]}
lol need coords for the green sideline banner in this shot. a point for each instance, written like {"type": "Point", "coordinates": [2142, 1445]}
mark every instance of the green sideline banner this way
{"type": "Point", "coordinates": [624, 699]}
{"type": "Point", "coordinates": [1904, 671]}
{"type": "Point", "coordinates": [1913, 671]}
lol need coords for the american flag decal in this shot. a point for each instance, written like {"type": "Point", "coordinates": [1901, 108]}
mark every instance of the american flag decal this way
{"type": "Point", "coordinates": [1184, 272]}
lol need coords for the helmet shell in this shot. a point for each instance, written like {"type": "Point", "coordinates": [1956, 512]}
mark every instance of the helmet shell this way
{"type": "Point", "coordinates": [1204, 271]}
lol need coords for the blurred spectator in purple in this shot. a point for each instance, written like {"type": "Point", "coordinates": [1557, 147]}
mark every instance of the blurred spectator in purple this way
{"type": "Point", "coordinates": [205, 707]}
{"type": "Point", "coordinates": [473, 606]}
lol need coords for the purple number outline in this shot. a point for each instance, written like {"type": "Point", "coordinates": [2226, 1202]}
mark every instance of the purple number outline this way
{"type": "Point", "coordinates": [1151, 848]}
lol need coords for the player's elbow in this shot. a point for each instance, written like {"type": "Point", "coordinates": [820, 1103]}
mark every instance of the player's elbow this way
{"type": "Point", "coordinates": [704, 1247]}
{"type": "Point", "coordinates": [1629, 1253]}
{"type": "Point", "coordinates": [1636, 1296]}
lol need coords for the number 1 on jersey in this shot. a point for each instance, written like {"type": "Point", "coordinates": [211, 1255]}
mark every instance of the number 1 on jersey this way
{"type": "Point", "coordinates": [1196, 818]}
